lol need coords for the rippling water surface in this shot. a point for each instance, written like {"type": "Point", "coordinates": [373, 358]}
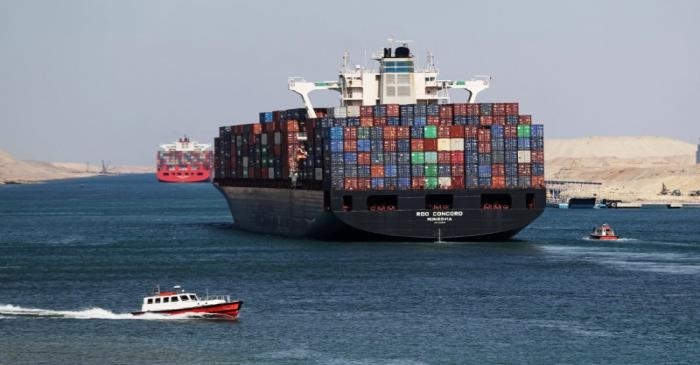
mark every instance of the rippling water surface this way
{"type": "Point", "coordinates": [77, 256]}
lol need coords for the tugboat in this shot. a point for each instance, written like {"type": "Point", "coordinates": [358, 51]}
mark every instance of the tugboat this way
{"type": "Point", "coordinates": [604, 232]}
{"type": "Point", "coordinates": [179, 301]}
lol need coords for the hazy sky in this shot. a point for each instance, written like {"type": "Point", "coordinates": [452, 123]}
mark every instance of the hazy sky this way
{"type": "Point", "coordinates": [91, 80]}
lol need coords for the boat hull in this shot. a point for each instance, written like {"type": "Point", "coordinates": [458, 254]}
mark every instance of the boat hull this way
{"type": "Point", "coordinates": [604, 238]}
{"type": "Point", "coordinates": [225, 310]}
{"type": "Point", "coordinates": [321, 214]}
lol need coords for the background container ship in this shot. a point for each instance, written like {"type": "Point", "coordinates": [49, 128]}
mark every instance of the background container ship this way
{"type": "Point", "coordinates": [395, 161]}
{"type": "Point", "coordinates": [184, 161]}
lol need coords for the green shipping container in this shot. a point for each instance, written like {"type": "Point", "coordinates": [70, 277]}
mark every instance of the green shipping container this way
{"type": "Point", "coordinates": [431, 182]}
{"type": "Point", "coordinates": [430, 131]}
{"type": "Point", "coordinates": [417, 158]}
{"type": "Point", "coordinates": [363, 132]}
{"type": "Point", "coordinates": [431, 170]}
{"type": "Point", "coordinates": [523, 130]}
{"type": "Point", "coordinates": [431, 157]}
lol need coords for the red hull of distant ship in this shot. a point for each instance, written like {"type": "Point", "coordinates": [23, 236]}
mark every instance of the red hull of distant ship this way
{"type": "Point", "coordinates": [184, 176]}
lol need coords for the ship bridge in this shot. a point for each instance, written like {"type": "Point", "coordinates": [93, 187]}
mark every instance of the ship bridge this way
{"type": "Point", "coordinates": [397, 81]}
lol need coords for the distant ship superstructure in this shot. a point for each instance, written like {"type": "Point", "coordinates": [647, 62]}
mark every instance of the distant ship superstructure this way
{"type": "Point", "coordinates": [184, 161]}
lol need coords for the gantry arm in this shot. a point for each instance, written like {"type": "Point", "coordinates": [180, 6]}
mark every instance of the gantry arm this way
{"type": "Point", "coordinates": [303, 88]}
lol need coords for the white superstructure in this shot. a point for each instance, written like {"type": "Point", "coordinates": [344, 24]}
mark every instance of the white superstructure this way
{"type": "Point", "coordinates": [398, 81]}
{"type": "Point", "coordinates": [185, 145]}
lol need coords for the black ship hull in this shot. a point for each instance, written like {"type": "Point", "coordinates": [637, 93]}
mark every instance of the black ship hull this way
{"type": "Point", "coordinates": [462, 215]}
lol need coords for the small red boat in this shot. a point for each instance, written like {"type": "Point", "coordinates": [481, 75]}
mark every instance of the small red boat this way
{"type": "Point", "coordinates": [181, 302]}
{"type": "Point", "coordinates": [604, 232]}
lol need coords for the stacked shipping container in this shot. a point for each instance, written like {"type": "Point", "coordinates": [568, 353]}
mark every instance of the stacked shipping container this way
{"type": "Point", "coordinates": [389, 147]}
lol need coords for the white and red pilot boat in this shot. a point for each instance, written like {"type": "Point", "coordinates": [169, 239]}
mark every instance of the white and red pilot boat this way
{"type": "Point", "coordinates": [179, 301]}
{"type": "Point", "coordinates": [604, 232]}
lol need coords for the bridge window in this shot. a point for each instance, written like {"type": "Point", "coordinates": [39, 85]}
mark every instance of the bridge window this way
{"type": "Point", "coordinates": [438, 201]}
{"type": "Point", "coordinates": [382, 203]}
{"type": "Point", "coordinates": [166, 300]}
{"type": "Point", "coordinates": [174, 299]}
{"type": "Point", "coordinates": [183, 298]}
{"type": "Point", "coordinates": [193, 297]}
{"type": "Point", "coordinates": [157, 300]}
{"type": "Point", "coordinates": [150, 300]}
{"type": "Point", "coordinates": [496, 201]}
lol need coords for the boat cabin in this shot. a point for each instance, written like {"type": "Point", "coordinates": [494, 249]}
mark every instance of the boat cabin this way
{"type": "Point", "coordinates": [169, 300]}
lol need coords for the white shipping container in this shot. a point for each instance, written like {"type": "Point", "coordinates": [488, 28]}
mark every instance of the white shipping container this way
{"type": "Point", "coordinates": [444, 182]}
{"type": "Point", "coordinates": [523, 156]}
{"type": "Point", "coordinates": [353, 111]}
{"type": "Point", "coordinates": [318, 172]}
{"type": "Point", "coordinates": [340, 112]}
{"type": "Point", "coordinates": [271, 172]}
{"type": "Point", "coordinates": [444, 144]}
{"type": "Point", "coordinates": [457, 144]}
{"type": "Point", "coordinates": [245, 161]}
{"type": "Point", "coordinates": [278, 138]}
{"type": "Point", "coordinates": [263, 139]}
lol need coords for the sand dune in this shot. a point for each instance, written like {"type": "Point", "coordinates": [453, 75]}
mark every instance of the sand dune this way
{"type": "Point", "coordinates": [19, 171]}
{"type": "Point", "coordinates": [630, 168]}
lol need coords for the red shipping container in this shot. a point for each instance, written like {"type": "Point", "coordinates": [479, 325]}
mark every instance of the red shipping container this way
{"type": "Point", "coordinates": [484, 135]}
{"type": "Point", "coordinates": [403, 132]}
{"type": "Point", "coordinates": [392, 110]}
{"type": "Point", "coordinates": [444, 157]}
{"type": "Point", "coordinates": [525, 119]}
{"type": "Point", "coordinates": [498, 169]}
{"type": "Point", "coordinates": [364, 158]}
{"type": "Point", "coordinates": [443, 131]}
{"type": "Point", "coordinates": [417, 144]}
{"type": "Point", "coordinates": [456, 131]}
{"type": "Point", "coordinates": [473, 109]}
{"type": "Point", "coordinates": [251, 172]}
{"type": "Point", "coordinates": [485, 120]}
{"type": "Point", "coordinates": [390, 132]}
{"type": "Point", "coordinates": [379, 121]}
{"type": "Point", "coordinates": [459, 109]}
{"type": "Point", "coordinates": [537, 156]}
{"type": "Point", "coordinates": [350, 145]}
{"type": "Point", "coordinates": [499, 109]}
{"type": "Point", "coordinates": [350, 183]}
{"type": "Point", "coordinates": [349, 133]}
{"type": "Point", "coordinates": [377, 171]}
{"type": "Point", "coordinates": [417, 183]}
{"type": "Point", "coordinates": [390, 145]}
{"type": "Point", "coordinates": [470, 131]}
{"type": "Point", "coordinates": [364, 184]}
{"type": "Point", "coordinates": [430, 144]}
{"type": "Point", "coordinates": [366, 121]}
{"type": "Point", "coordinates": [511, 108]}
{"type": "Point", "coordinates": [457, 157]}
{"type": "Point", "coordinates": [499, 120]}
{"type": "Point", "coordinates": [511, 131]}
{"type": "Point", "coordinates": [498, 182]}
{"type": "Point", "coordinates": [458, 168]}
{"type": "Point", "coordinates": [537, 182]}
{"type": "Point", "coordinates": [446, 111]}
{"type": "Point", "coordinates": [432, 120]}
{"type": "Point", "coordinates": [366, 111]}
{"type": "Point", "coordinates": [524, 169]}
{"type": "Point", "coordinates": [484, 147]}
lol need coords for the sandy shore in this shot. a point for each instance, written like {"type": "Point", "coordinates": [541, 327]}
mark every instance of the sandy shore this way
{"type": "Point", "coordinates": [13, 171]}
{"type": "Point", "coordinates": [630, 168]}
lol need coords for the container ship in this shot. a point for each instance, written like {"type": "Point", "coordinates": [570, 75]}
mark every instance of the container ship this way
{"type": "Point", "coordinates": [184, 161]}
{"type": "Point", "coordinates": [395, 161]}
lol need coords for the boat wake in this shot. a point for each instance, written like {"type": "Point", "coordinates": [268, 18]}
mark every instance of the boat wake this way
{"type": "Point", "coordinates": [623, 239]}
{"type": "Point", "coordinates": [10, 311]}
